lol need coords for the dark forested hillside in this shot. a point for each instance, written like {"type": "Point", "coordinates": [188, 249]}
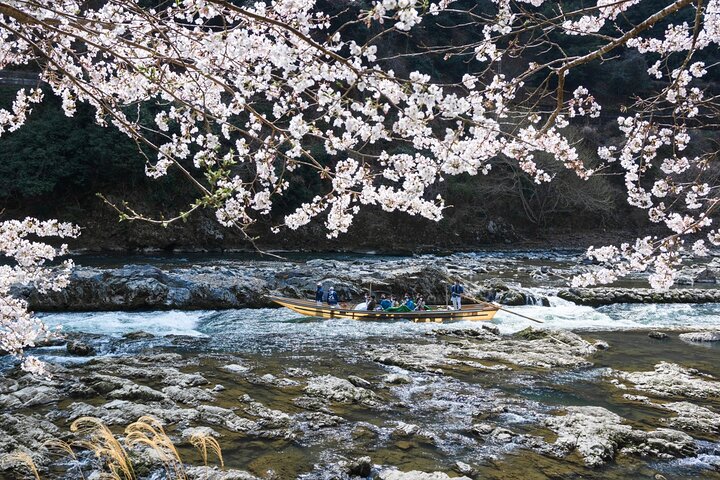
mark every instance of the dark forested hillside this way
{"type": "Point", "coordinates": [54, 166]}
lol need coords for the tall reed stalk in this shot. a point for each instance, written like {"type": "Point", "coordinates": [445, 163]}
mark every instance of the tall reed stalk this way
{"type": "Point", "coordinates": [115, 459]}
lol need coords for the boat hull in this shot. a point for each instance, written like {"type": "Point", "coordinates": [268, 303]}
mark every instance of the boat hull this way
{"type": "Point", "coordinates": [308, 308]}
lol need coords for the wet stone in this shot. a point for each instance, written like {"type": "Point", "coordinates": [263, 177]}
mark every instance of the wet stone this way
{"type": "Point", "coordinates": [80, 349]}
{"type": "Point", "coordinates": [199, 431]}
{"type": "Point", "coordinates": [29, 396]}
{"type": "Point", "coordinates": [132, 391]}
{"type": "Point", "coordinates": [531, 348]}
{"type": "Point", "coordinates": [672, 380]}
{"type": "Point", "coordinates": [318, 420]}
{"type": "Point", "coordinates": [214, 473]}
{"type": "Point", "coordinates": [140, 335]}
{"type": "Point", "coordinates": [396, 379]}
{"type": "Point", "coordinates": [298, 372]}
{"type": "Point", "coordinates": [464, 469]}
{"type": "Point", "coordinates": [598, 435]}
{"type": "Point", "coordinates": [225, 418]}
{"type": "Point", "coordinates": [339, 390]}
{"type": "Point", "coordinates": [658, 335]}
{"type": "Point", "coordinates": [359, 382]}
{"type": "Point", "coordinates": [483, 429]}
{"type": "Point", "coordinates": [694, 418]}
{"type": "Point", "coordinates": [236, 368]}
{"type": "Point", "coordinates": [266, 417]}
{"type": "Point", "coordinates": [416, 475]}
{"type": "Point", "coordinates": [311, 403]}
{"type": "Point", "coordinates": [189, 395]}
{"type": "Point", "coordinates": [359, 467]}
{"type": "Point", "coordinates": [271, 380]}
{"type": "Point", "coordinates": [713, 336]}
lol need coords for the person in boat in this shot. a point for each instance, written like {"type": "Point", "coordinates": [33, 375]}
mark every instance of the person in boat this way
{"type": "Point", "coordinates": [332, 298]}
{"type": "Point", "coordinates": [393, 302]}
{"type": "Point", "coordinates": [456, 292]}
{"type": "Point", "coordinates": [385, 302]}
{"type": "Point", "coordinates": [420, 306]}
{"type": "Point", "coordinates": [409, 302]}
{"type": "Point", "coordinates": [408, 305]}
{"type": "Point", "coordinates": [372, 303]}
{"type": "Point", "coordinates": [319, 294]}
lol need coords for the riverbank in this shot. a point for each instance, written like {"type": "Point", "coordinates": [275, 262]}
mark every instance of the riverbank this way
{"type": "Point", "coordinates": [213, 282]}
{"type": "Point", "coordinates": [623, 390]}
{"type": "Point", "coordinates": [247, 284]}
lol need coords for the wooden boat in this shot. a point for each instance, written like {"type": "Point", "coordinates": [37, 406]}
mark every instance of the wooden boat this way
{"type": "Point", "coordinates": [310, 308]}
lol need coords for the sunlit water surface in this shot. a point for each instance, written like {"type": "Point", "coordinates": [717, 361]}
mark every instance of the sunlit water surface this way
{"type": "Point", "coordinates": [271, 340]}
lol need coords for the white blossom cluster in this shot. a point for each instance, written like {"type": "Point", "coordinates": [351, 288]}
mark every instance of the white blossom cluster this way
{"type": "Point", "coordinates": [19, 329]}
{"type": "Point", "coordinates": [607, 11]}
{"type": "Point", "coordinates": [244, 93]}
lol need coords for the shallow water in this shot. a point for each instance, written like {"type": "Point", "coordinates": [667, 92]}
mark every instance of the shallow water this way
{"type": "Point", "coordinates": [444, 407]}
{"type": "Point", "coordinates": [247, 328]}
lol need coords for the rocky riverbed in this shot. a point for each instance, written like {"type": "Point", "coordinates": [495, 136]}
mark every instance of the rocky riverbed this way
{"type": "Point", "coordinates": [618, 382]}
{"type": "Point", "coordinates": [339, 399]}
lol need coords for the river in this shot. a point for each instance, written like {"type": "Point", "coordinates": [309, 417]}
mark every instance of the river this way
{"type": "Point", "coordinates": [482, 402]}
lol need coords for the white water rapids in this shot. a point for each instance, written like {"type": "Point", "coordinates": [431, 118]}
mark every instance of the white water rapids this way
{"type": "Point", "coordinates": [253, 323]}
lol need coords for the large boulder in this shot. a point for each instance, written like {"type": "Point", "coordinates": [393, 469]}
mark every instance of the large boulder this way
{"type": "Point", "coordinates": [709, 336]}
{"type": "Point", "coordinates": [668, 380]}
{"type": "Point", "coordinates": [247, 284]}
{"type": "Point", "coordinates": [339, 390]}
{"type": "Point", "coordinates": [81, 349]}
{"type": "Point", "coordinates": [598, 435]}
{"type": "Point", "coordinates": [595, 297]}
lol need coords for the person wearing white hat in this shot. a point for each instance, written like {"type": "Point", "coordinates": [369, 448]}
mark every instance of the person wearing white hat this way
{"type": "Point", "coordinates": [332, 298]}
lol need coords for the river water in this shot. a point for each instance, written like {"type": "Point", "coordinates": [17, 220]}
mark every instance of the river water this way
{"type": "Point", "coordinates": [254, 327]}
{"type": "Point", "coordinates": [442, 407]}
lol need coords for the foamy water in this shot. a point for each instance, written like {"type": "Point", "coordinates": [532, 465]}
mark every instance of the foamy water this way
{"type": "Point", "coordinates": [172, 322]}
{"type": "Point", "coordinates": [563, 314]}
{"type": "Point", "coordinates": [286, 329]}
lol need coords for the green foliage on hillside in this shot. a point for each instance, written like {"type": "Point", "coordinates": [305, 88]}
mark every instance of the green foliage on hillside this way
{"type": "Point", "coordinates": [54, 154]}
{"type": "Point", "coordinates": [60, 161]}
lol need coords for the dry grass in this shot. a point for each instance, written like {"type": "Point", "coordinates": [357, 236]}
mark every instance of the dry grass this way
{"type": "Point", "coordinates": [22, 458]}
{"type": "Point", "coordinates": [102, 442]}
{"type": "Point", "coordinates": [64, 449]}
{"type": "Point", "coordinates": [145, 434]}
{"type": "Point", "coordinates": [206, 444]}
{"type": "Point", "coordinates": [148, 432]}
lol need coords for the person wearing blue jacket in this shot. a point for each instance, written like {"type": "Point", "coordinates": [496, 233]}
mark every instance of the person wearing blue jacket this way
{"type": "Point", "coordinates": [456, 292]}
{"type": "Point", "coordinates": [332, 298]}
{"type": "Point", "coordinates": [319, 294]}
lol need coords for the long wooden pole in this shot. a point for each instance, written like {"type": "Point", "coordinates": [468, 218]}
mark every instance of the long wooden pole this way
{"type": "Point", "coordinates": [495, 305]}
{"type": "Point", "coordinates": [469, 297]}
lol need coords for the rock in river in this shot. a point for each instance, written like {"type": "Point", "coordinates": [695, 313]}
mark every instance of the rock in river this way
{"type": "Point", "coordinates": [691, 417]}
{"type": "Point", "coordinates": [339, 390]}
{"type": "Point", "coordinates": [709, 336]}
{"type": "Point", "coordinates": [247, 284]}
{"type": "Point", "coordinates": [595, 297]}
{"type": "Point", "coordinates": [672, 380]}
{"type": "Point", "coordinates": [598, 435]}
{"type": "Point", "coordinates": [81, 349]}
{"type": "Point", "coordinates": [416, 475]}
{"type": "Point", "coordinates": [534, 348]}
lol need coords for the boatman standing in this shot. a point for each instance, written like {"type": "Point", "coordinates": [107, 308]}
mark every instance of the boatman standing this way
{"type": "Point", "coordinates": [319, 294]}
{"type": "Point", "coordinates": [456, 292]}
{"type": "Point", "coordinates": [332, 298]}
